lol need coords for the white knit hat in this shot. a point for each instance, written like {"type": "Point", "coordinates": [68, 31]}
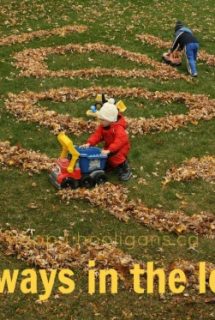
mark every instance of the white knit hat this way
{"type": "Point", "coordinates": [108, 112]}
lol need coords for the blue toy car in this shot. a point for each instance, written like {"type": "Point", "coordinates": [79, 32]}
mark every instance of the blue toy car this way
{"type": "Point", "coordinates": [78, 166]}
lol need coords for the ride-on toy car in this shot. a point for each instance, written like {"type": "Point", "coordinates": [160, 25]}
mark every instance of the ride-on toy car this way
{"type": "Point", "coordinates": [78, 166]}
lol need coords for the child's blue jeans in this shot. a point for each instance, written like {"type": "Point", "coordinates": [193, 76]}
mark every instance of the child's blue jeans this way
{"type": "Point", "coordinates": [191, 51]}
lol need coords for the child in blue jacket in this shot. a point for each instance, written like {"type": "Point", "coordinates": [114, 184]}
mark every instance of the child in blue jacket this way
{"type": "Point", "coordinates": [184, 39]}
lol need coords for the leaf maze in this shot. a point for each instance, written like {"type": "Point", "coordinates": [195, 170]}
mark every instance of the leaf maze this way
{"type": "Point", "coordinates": [112, 198]}
{"type": "Point", "coordinates": [23, 106]}
{"type": "Point", "coordinates": [59, 254]}
{"type": "Point", "coordinates": [32, 63]}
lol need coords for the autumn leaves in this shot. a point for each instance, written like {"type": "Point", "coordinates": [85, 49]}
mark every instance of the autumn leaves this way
{"type": "Point", "coordinates": [31, 62]}
{"type": "Point", "coordinates": [28, 160]}
{"type": "Point", "coordinates": [209, 59]}
{"type": "Point", "coordinates": [24, 107]}
{"type": "Point", "coordinates": [28, 36]}
{"type": "Point", "coordinates": [112, 198]}
{"type": "Point", "coordinates": [193, 168]}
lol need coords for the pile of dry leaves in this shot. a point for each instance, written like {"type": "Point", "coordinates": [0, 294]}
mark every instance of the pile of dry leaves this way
{"type": "Point", "coordinates": [25, 37]}
{"type": "Point", "coordinates": [32, 63]}
{"type": "Point", "coordinates": [28, 160]}
{"type": "Point", "coordinates": [114, 199]}
{"type": "Point", "coordinates": [209, 59]}
{"type": "Point", "coordinates": [39, 252]}
{"type": "Point", "coordinates": [23, 106]}
{"type": "Point", "coordinates": [193, 168]}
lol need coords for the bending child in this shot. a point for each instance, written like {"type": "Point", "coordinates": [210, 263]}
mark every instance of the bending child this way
{"type": "Point", "coordinates": [184, 39]}
{"type": "Point", "coordinates": [116, 142]}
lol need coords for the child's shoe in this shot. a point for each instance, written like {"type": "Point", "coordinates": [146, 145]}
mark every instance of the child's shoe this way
{"type": "Point", "coordinates": [124, 171]}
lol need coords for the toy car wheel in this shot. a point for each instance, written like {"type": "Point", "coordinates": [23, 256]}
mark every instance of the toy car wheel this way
{"type": "Point", "coordinates": [69, 183]}
{"type": "Point", "coordinates": [100, 178]}
{"type": "Point", "coordinates": [87, 182]}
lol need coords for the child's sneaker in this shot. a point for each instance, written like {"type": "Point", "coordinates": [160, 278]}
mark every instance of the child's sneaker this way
{"type": "Point", "coordinates": [124, 171]}
{"type": "Point", "coordinates": [195, 74]}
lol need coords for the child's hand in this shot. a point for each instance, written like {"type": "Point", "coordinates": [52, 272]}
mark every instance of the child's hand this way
{"type": "Point", "coordinates": [86, 145]}
{"type": "Point", "coordinates": [105, 151]}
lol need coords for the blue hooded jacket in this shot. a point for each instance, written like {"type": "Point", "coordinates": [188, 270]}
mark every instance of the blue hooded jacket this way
{"type": "Point", "coordinates": [182, 37]}
{"type": "Point", "coordinates": [183, 29]}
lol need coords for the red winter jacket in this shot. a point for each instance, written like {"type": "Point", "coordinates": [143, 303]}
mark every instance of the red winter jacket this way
{"type": "Point", "coordinates": [116, 140]}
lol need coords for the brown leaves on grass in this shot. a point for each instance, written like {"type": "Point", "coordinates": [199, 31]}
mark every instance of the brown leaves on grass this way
{"type": "Point", "coordinates": [39, 252]}
{"type": "Point", "coordinates": [114, 199]}
{"type": "Point", "coordinates": [28, 160]}
{"type": "Point", "coordinates": [193, 168]}
{"type": "Point", "coordinates": [191, 270]}
{"type": "Point", "coordinates": [155, 41]}
{"type": "Point", "coordinates": [58, 254]}
{"type": "Point", "coordinates": [26, 37]}
{"type": "Point", "coordinates": [109, 196]}
{"type": "Point", "coordinates": [32, 63]}
{"type": "Point", "coordinates": [23, 106]}
{"type": "Point", "coordinates": [209, 59]}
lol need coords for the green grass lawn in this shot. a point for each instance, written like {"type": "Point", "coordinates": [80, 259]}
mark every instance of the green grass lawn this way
{"type": "Point", "coordinates": [113, 23]}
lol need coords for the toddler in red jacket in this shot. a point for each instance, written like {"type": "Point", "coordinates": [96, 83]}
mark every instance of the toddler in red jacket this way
{"type": "Point", "coordinates": [112, 131]}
